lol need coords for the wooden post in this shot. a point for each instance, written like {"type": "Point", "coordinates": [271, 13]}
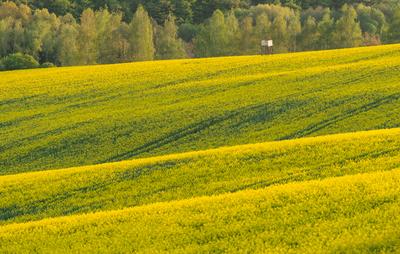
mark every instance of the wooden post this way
{"type": "Point", "coordinates": [270, 45]}
{"type": "Point", "coordinates": [264, 47]}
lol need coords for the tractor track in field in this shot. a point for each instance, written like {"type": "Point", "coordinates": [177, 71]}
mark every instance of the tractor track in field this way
{"type": "Point", "coordinates": [36, 206]}
{"type": "Point", "coordinates": [257, 111]}
{"type": "Point", "coordinates": [10, 102]}
{"type": "Point", "coordinates": [253, 113]}
{"type": "Point", "coordinates": [345, 115]}
{"type": "Point", "coordinates": [172, 137]}
{"type": "Point", "coordinates": [19, 120]}
{"type": "Point", "coordinates": [298, 101]}
{"type": "Point", "coordinates": [7, 214]}
{"type": "Point", "coordinates": [315, 169]}
{"type": "Point", "coordinates": [41, 135]}
{"type": "Point", "coordinates": [201, 77]}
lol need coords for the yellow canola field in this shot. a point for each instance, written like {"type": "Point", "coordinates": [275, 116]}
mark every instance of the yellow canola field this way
{"type": "Point", "coordinates": [345, 214]}
{"type": "Point", "coordinates": [38, 195]}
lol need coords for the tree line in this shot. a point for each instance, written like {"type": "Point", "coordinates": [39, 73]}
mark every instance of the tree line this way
{"type": "Point", "coordinates": [190, 11]}
{"type": "Point", "coordinates": [103, 36]}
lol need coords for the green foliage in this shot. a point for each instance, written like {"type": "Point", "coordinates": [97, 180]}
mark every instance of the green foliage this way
{"type": "Point", "coordinates": [310, 35]}
{"type": "Point", "coordinates": [325, 29]}
{"type": "Point", "coordinates": [219, 37]}
{"type": "Point", "coordinates": [393, 34]}
{"type": "Point", "coordinates": [141, 36]}
{"type": "Point", "coordinates": [169, 46]}
{"type": "Point", "coordinates": [263, 27]}
{"type": "Point", "coordinates": [19, 61]}
{"type": "Point", "coordinates": [347, 32]}
{"type": "Point", "coordinates": [279, 30]}
{"type": "Point", "coordinates": [88, 48]}
{"type": "Point", "coordinates": [233, 34]}
{"type": "Point", "coordinates": [372, 21]}
{"type": "Point", "coordinates": [41, 35]}
{"type": "Point", "coordinates": [186, 11]}
{"type": "Point", "coordinates": [248, 42]}
{"type": "Point", "coordinates": [47, 65]}
{"type": "Point", "coordinates": [67, 42]}
{"type": "Point", "coordinates": [294, 29]}
{"type": "Point", "coordinates": [204, 9]}
{"type": "Point", "coordinates": [236, 28]}
{"type": "Point", "coordinates": [212, 39]}
{"type": "Point", "coordinates": [187, 32]}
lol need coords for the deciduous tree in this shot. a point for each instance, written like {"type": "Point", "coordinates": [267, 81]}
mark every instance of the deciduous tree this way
{"type": "Point", "coordinates": [141, 36]}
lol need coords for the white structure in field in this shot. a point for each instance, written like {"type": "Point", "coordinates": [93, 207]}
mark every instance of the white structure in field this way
{"type": "Point", "coordinates": [264, 43]}
{"type": "Point", "coordinates": [266, 47]}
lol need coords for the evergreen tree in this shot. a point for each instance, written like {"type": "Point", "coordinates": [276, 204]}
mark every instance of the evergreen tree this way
{"type": "Point", "coordinates": [141, 36]}
{"type": "Point", "coordinates": [183, 10]}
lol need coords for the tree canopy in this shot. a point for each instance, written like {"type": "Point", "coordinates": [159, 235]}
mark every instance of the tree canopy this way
{"type": "Point", "coordinates": [78, 32]}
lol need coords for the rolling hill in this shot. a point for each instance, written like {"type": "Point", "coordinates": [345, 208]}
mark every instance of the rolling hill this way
{"type": "Point", "coordinates": [38, 195]}
{"type": "Point", "coordinates": [292, 153]}
{"type": "Point", "coordinates": [345, 214]}
{"type": "Point", "coordinates": [65, 117]}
